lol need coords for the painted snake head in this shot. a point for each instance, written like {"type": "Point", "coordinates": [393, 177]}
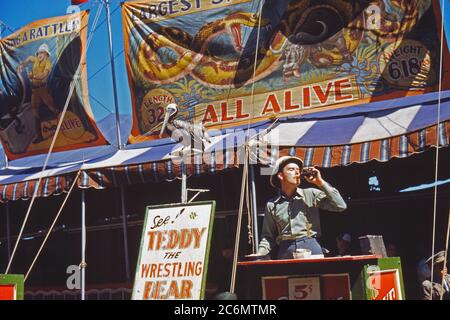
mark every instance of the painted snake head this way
{"type": "Point", "coordinates": [235, 21]}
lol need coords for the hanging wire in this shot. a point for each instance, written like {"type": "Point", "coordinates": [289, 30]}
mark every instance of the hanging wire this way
{"type": "Point", "coordinates": [445, 254]}
{"type": "Point", "coordinates": [437, 140]}
{"type": "Point", "coordinates": [249, 205]}
{"type": "Point", "coordinates": [243, 37]}
{"type": "Point", "coordinates": [53, 225]}
{"type": "Point", "coordinates": [38, 183]}
{"type": "Point", "coordinates": [239, 223]}
{"type": "Point", "coordinates": [255, 65]}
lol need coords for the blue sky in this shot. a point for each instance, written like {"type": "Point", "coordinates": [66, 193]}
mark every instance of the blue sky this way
{"type": "Point", "coordinates": [18, 13]}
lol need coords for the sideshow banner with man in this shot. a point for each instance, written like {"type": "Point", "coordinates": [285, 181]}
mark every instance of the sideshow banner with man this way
{"type": "Point", "coordinates": [38, 64]}
{"type": "Point", "coordinates": [228, 63]}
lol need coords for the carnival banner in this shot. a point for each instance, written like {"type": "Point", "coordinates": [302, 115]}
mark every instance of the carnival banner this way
{"type": "Point", "coordinates": [173, 258]}
{"type": "Point", "coordinates": [37, 65]}
{"type": "Point", "coordinates": [226, 63]}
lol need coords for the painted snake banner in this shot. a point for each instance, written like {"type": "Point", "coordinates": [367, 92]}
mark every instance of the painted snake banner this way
{"type": "Point", "coordinates": [37, 65]}
{"type": "Point", "coordinates": [228, 63]}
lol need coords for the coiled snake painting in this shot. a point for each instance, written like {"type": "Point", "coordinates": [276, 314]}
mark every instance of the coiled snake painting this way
{"type": "Point", "coordinates": [224, 62]}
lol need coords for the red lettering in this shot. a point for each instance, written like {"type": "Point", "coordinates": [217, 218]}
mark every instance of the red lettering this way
{"type": "Point", "coordinates": [173, 239]}
{"type": "Point", "coordinates": [342, 85]}
{"type": "Point", "coordinates": [224, 107]}
{"type": "Point", "coordinates": [323, 96]}
{"type": "Point", "coordinates": [147, 289]}
{"type": "Point", "coordinates": [306, 97]}
{"type": "Point", "coordinates": [288, 101]}
{"type": "Point", "coordinates": [145, 268]}
{"type": "Point", "coordinates": [167, 270]}
{"type": "Point", "coordinates": [186, 238]}
{"type": "Point", "coordinates": [197, 236]}
{"type": "Point", "coordinates": [273, 102]}
{"type": "Point", "coordinates": [180, 273]}
{"type": "Point", "coordinates": [239, 114]}
{"type": "Point", "coordinates": [151, 240]}
{"type": "Point", "coordinates": [153, 270]}
{"type": "Point", "coordinates": [159, 285]}
{"type": "Point", "coordinates": [160, 239]}
{"type": "Point", "coordinates": [210, 115]}
{"type": "Point", "coordinates": [198, 268]}
{"type": "Point", "coordinates": [189, 268]}
{"type": "Point", "coordinates": [186, 287]}
{"type": "Point", "coordinates": [160, 270]}
{"type": "Point", "coordinates": [173, 290]}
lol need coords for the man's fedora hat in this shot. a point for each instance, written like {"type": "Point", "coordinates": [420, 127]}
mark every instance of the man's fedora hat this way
{"type": "Point", "coordinates": [438, 257]}
{"type": "Point", "coordinates": [279, 165]}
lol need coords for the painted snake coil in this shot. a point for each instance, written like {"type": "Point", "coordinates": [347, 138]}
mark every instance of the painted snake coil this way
{"type": "Point", "coordinates": [328, 32]}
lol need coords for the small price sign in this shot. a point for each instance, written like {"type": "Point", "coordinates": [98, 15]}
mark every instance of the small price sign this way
{"type": "Point", "coordinates": [304, 288]}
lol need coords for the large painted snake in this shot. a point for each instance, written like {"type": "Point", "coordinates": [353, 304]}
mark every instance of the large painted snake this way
{"type": "Point", "coordinates": [327, 31]}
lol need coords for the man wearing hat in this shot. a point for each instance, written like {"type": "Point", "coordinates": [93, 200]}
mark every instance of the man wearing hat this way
{"type": "Point", "coordinates": [42, 67]}
{"type": "Point", "coordinates": [432, 290]}
{"type": "Point", "coordinates": [291, 219]}
{"type": "Point", "coordinates": [343, 245]}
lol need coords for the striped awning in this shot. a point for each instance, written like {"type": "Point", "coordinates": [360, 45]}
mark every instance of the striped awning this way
{"type": "Point", "coordinates": [24, 190]}
{"type": "Point", "coordinates": [357, 134]}
{"type": "Point", "coordinates": [381, 150]}
{"type": "Point", "coordinates": [327, 156]}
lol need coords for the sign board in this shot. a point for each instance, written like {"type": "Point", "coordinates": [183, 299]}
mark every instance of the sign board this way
{"type": "Point", "coordinates": [11, 287]}
{"type": "Point", "coordinates": [275, 288]}
{"type": "Point", "coordinates": [173, 258]}
{"type": "Point", "coordinates": [225, 63]}
{"type": "Point", "coordinates": [331, 287]}
{"type": "Point", "coordinates": [385, 285]}
{"type": "Point", "coordinates": [335, 286]}
{"type": "Point", "coordinates": [8, 292]}
{"type": "Point", "coordinates": [304, 288]}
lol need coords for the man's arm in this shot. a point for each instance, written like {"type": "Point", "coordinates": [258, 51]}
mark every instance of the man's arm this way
{"type": "Point", "coordinates": [427, 288]}
{"type": "Point", "coordinates": [25, 62]}
{"type": "Point", "coordinates": [269, 232]}
{"type": "Point", "coordinates": [328, 198]}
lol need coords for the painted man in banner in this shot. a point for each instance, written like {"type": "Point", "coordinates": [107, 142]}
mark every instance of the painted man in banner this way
{"type": "Point", "coordinates": [45, 58]}
{"type": "Point", "coordinates": [42, 67]}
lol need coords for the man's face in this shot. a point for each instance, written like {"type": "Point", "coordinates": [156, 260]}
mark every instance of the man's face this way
{"type": "Point", "coordinates": [342, 245]}
{"type": "Point", "coordinates": [290, 175]}
{"type": "Point", "coordinates": [42, 55]}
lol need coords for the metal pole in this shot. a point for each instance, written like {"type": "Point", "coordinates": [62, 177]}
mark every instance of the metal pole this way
{"type": "Point", "coordinates": [183, 183]}
{"type": "Point", "coordinates": [83, 244]}
{"type": "Point", "coordinates": [254, 210]}
{"type": "Point", "coordinates": [8, 231]}
{"type": "Point", "coordinates": [113, 71]}
{"type": "Point", "coordinates": [125, 233]}
{"type": "Point", "coordinates": [239, 223]}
